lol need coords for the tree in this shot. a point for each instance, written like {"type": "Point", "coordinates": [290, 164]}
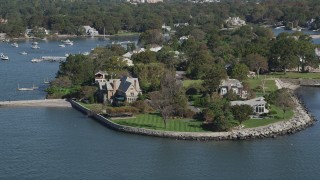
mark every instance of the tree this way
{"type": "Point", "coordinates": [170, 98]}
{"type": "Point", "coordinates": [198, 34]}
{"type": "Point", "coordinates": [145, 57]}
{"type": "Point", "coordinates": [282, 99]}
{"type": "Point", "coordinates": [78, 68]}
{"type": "Point", "coordinates": [283, 52]}
{"type": "Point", "coordinates": [217, 116]}
{"type": "Point", "coordinates": [256, 63]}
{"type": "Point", "coordinates": [240, 72]}
{"type": "Point", "coordinates": [199, 64]}
{"type": "Point", "coordinates": [153, 36]}
{"type": "Point", "coordinates": [241, 112]}
{"type": "Point", "coordinates": [149, 75]}
{"type": "Point", "coordinates": [213, 78]}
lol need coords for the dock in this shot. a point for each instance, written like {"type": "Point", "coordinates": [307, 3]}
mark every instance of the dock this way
{"type": "Point", "coordinates": [62, 103]}
{"type": "Point", "coordinates": [54, 58]}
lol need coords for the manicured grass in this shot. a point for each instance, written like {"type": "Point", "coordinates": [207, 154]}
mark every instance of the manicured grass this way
{"type": "Point", "coordinates": [295, 75]}
{"type": "Point", "coordinates": [126, 34]}
{"type": "Point", "coordinates": [270, 85]}
{"type": "Point", "coordinates": [187, 83]}
{"type": "Point", "coordinates": [94, 107]}
{"type": "Point", "coordinates": [251, 123]}
{"type": "Point", "coordinates": [154, 121]}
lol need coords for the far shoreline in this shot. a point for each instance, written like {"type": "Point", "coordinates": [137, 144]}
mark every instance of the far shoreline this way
{"type": "Point", "coordinates": [70, 36]}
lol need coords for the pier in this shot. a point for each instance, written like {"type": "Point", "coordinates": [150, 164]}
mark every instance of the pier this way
{"type": "Point", "coordinates": [63, 103]}
{"type": "Point", "coordinates": [53, 58]}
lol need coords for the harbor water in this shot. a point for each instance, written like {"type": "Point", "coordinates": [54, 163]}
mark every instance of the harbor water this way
{"type": "Point", "coordinates": [59, 143]}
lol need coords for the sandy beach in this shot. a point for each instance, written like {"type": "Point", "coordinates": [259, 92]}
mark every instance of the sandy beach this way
{"type": "Point", "coordinates": [37, 103]}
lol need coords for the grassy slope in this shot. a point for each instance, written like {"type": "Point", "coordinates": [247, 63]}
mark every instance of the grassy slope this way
{"type": "Point", "coordinates": [276, 118]}
{"type": "Point", "coordinates": [154, 121]}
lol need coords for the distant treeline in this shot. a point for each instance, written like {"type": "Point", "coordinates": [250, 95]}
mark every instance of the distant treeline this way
{"type": "Point", "coordinates": [67, 16]}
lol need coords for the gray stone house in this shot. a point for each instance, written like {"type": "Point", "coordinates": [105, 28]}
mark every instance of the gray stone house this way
{"type": "Point", "coordinates": [233, 85]}
{"type": "Point", "coordinates": [124, 89]}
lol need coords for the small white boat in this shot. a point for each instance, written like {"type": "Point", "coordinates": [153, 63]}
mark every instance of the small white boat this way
{"type": "Point", "coordinates": [34, 43]}
{"type": "Point", "coordinates": [62, 45]}
{"type": "Point", "coordinates": [68, 42]}
{"type": "Point", "coordinates": [86, 53]}
{"type": "Point", "coordinates": [35, 47]}
{"type": "Point", "coordinates": [23, 53]}
{"type": "Point", "coordinates": [66, 55]}
{"type": "Point", "coordinates": [14, 44]}
{"type": "Point", "coordinates": [3, 57]}
{"type": "Point", "coordinates": [46, 81]}
{"type": "Point", "coordinates": [35, 60]}
{"type": "Point", "coordinates": [27, 89]}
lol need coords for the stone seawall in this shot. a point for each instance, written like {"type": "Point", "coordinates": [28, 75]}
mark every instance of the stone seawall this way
{"type": "Point", "coordinates": [302, 82]}
{"type": "Point", "coordinates": [300, 121]}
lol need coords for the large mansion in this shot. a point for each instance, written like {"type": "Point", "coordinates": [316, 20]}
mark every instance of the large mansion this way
{"type": "Point", "coordinates": [123, 89]}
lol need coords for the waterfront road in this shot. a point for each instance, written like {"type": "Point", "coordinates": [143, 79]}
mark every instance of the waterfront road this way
{"type": "Point", "coordinates": [37, 103]}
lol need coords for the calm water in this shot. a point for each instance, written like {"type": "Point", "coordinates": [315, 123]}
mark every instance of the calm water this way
{"type": "Point", "coordinates": [281, 30]}
{"type": "Point", "coordinates": [54, 143]}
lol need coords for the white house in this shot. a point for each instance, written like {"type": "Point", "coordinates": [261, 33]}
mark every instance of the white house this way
{"type": "Point", "coordinates": [91, 31]}
{"type": "Point", "coordinates": [258, 105]}
{"type": "Point", "coordinates": [155, 48]}
{"type": "Point", "coordinates": [233, 85]}
{"type": "Point", "coordinates": [167, 28]}
{"type": "Point", "coordinates": [235, 21]}
{"type": "Point", "coordinates": [127, 55]}
{"type": "Point", "coordinates": [100, 76]}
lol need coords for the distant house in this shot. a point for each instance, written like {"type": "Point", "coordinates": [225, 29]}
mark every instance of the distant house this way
{"type": "Point", "coordinates": [127, 55]}
{"type": "Point", "coordinates": [3, 21]}
{"type": "Point", "coordinates": [180, 75]}
{"type": "Point", "coordinates": [155, 48]}
{"type": "Point", "coordinates": [233, 85]}
{"type": "Point", "coordinates": [251, 74]}
{"type": "Point", "coordinates": [180, 24]}
{"type": "Point", "coordinates": [128, 61]}
{"type": "Point", "coordinates": [144, 1]}
{"type": "Point", "coordinates": [317, 51]}
{"type": "Point", "coordinates": [235, 21]}
{"type": "Point", "coordinates": [90, 31]}
{"type": "Point", "coordinates": [258, 105]}
{"type": "Point", "coordinates": [100, 76]}
{"type": "Point", "coordinates": [124, 89]}
{"type": "Point", "coordinates": [167, 28]}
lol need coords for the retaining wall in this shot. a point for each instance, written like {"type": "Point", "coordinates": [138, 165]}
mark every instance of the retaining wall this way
{"type": "Point", "coordinates": [300, 121]}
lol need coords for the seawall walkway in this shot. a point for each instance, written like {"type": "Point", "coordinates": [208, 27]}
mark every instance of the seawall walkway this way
{"type": "Point", "coordinates": [37, 103]}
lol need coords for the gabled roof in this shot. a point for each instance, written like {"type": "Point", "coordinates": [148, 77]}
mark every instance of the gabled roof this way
{"type": "Point", "coordinates": [251, 102]}
{"type": "Point", "coordinates": [127, 55]}
{"type": "Point", "coordinates": [231, 82]}
{"type": "Point", "coordinates": [126, 82]}
{"type": "Point", "coordinates": [101, 72]}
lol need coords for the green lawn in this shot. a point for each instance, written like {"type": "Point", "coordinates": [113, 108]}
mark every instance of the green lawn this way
{"type": "Point", "coordinates": [187, 83]}
{"type": "Point", "coordinates": [154, 121]}
{"type": "Point", "coordinates": [94, 107]}
{"type": "Point", "coordinates": [270, 85]}
{"type": "Point", "coordinates": [251, 123]}
{"type": "Point", "coordinates": [126, 34]}
{"type": "Point", "coordinates": [295, 75]}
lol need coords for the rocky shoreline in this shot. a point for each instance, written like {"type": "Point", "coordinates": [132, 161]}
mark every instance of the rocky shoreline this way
{"type": "Point", "coordinates": [301, 120]}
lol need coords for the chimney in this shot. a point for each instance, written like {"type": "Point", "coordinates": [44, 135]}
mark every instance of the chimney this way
{"type": "Point", "coordinates": [135, 84]}
{"type": "Point", "coordinates": [114, 86]}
